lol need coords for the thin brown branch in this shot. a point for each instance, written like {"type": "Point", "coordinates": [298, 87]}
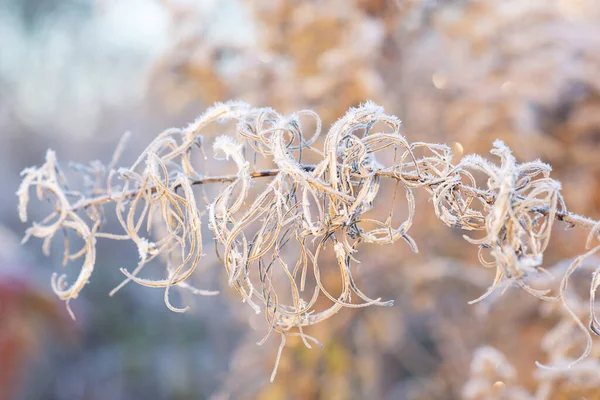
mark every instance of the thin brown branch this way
{"type": "Point", "coordinates": [568, 217]}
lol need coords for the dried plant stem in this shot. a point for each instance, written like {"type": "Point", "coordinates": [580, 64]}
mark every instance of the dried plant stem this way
{"type": "Point", "coordinates": [317, 208]}
{"type": "Point", "coordinates": [572, 219]}
{"type": "Point", "coordinates": [118, 195]}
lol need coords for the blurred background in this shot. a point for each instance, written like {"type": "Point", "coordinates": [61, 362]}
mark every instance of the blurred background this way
{"type": "Point", "coordinates": [76, 74]}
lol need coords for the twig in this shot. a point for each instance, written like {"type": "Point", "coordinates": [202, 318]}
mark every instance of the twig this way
{"type": "Point", "coordinates": [567, 217]}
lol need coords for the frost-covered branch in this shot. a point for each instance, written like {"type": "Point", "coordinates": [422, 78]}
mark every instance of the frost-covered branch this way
{"type": "Point", "coordinates": [305, 210]}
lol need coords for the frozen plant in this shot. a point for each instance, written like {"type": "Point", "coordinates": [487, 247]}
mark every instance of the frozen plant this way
{"type": "Point", "coordinates": [313, 206]}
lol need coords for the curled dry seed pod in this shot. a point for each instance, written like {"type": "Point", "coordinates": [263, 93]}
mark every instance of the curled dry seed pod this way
{"type": "Point", "coordinates": [519, 220]}
{"type": "Point", "coordinates": [576, 314]}
{"type": "Point", "coordinates": [273, 241]}
{"type": "Point", "coordinates": [49, 182]}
